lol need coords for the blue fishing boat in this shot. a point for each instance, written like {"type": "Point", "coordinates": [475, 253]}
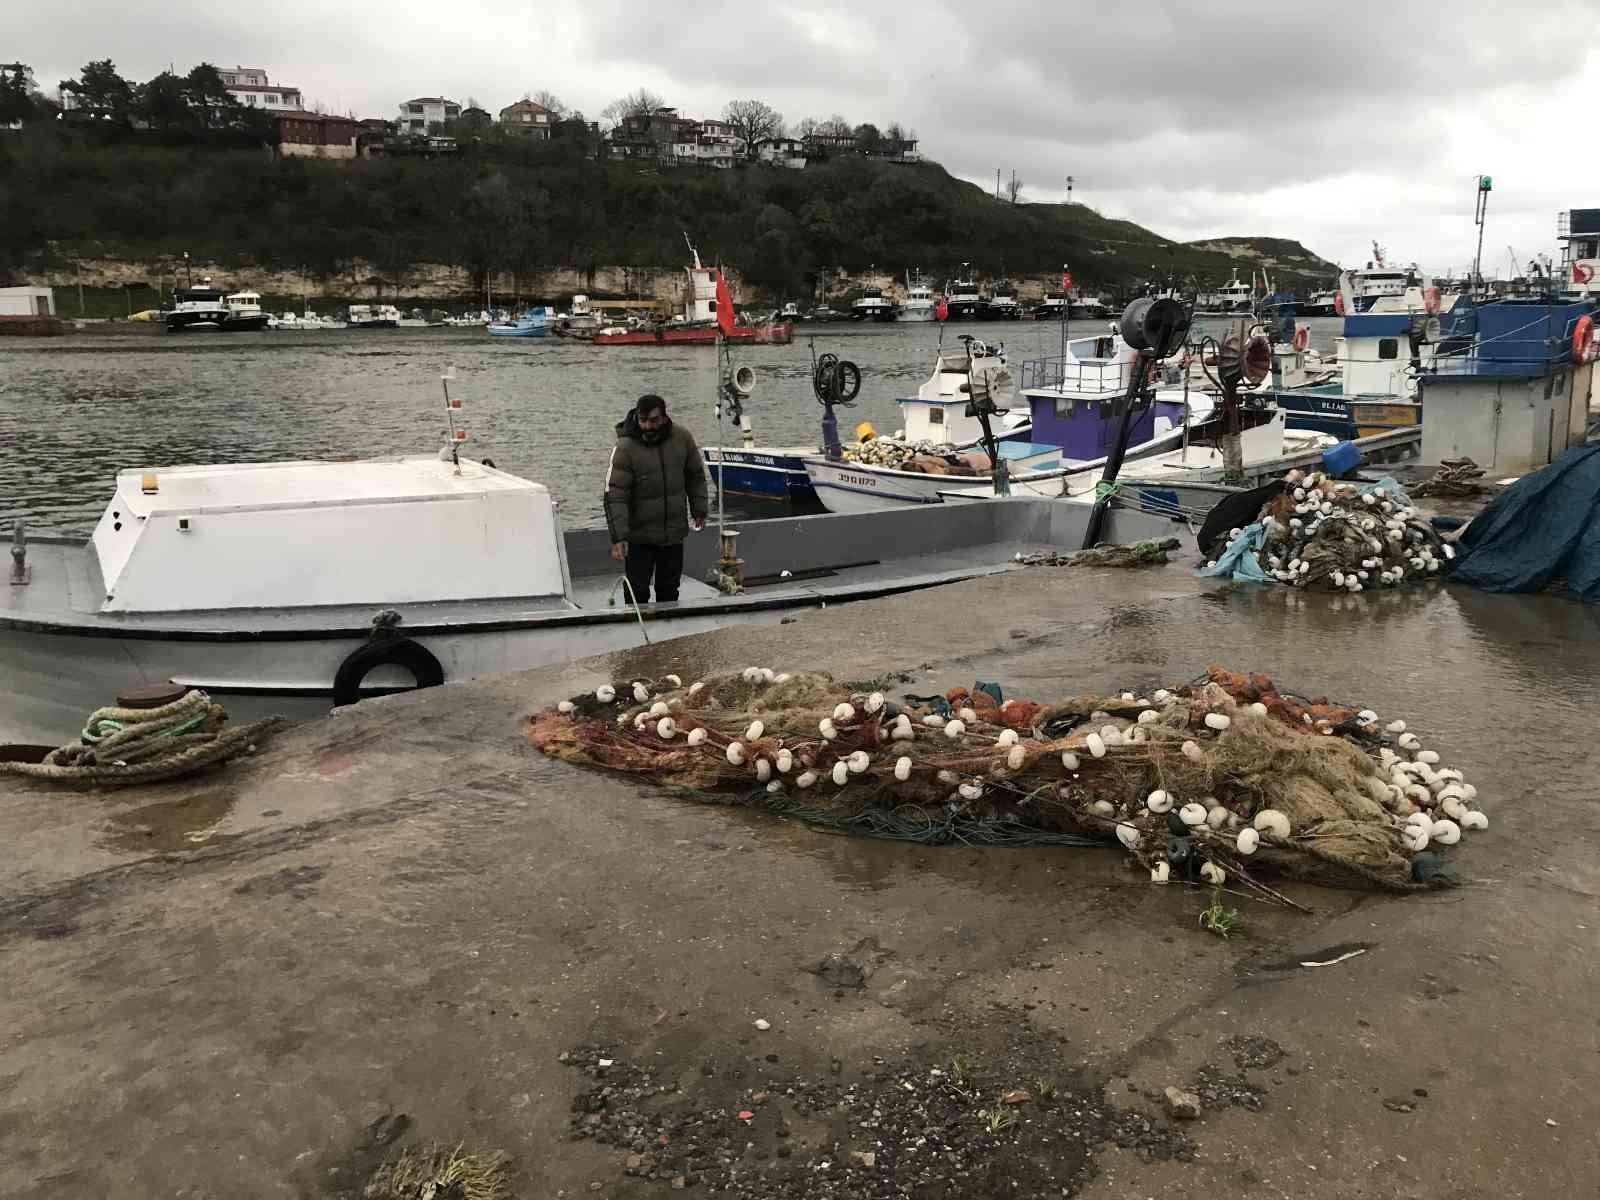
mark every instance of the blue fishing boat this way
{"type": "Point", "coordinates": [530, 324]}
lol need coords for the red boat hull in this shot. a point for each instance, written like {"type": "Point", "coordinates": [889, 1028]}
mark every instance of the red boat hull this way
{"type": "Point", "coordinates": [779, 334]}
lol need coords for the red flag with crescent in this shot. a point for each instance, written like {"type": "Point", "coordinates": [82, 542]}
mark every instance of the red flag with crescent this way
{"type": "Point", "coordinates": [1066, 280]}
{"type": "Point", "coordinates": [941, 310]}
{"type": "Point", "coordinates": [724, 306]}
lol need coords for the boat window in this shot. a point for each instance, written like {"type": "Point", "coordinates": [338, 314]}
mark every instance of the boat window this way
{"type": "Point", "coordinates": [1388, 347]}
{"type": "Point", "coordinates": [936, 416]}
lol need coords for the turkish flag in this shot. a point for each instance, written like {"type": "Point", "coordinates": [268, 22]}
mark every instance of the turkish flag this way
{"type": "Point", "coordinates": [941, 310]}
{"type": "Point", "coordinates": [724, 305]}
{"type": "Point", "coordinates": [1066, 281]}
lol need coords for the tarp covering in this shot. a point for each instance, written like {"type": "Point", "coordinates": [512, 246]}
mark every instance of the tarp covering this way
{"type": "Point", "coordinates": [1542, 528]}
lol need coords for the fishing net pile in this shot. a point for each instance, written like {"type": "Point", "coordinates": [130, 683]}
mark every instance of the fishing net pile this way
{"type": "Point", "coordinates": [931, 458]}
{"type": "Point", "coordinates": [123, 746]}
{"type": "Point", "coordinates": [1149, 553]}
{"type": "Point", "coordinates": [1455, 477]}
{"type": "Point", "coordinates": [1331, 536]}
{"type": "Point", "coordinates": [1223, 777]}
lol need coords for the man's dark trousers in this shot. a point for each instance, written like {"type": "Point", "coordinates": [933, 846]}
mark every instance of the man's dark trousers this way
{"type": "Point", "coordinates": [664, 562]}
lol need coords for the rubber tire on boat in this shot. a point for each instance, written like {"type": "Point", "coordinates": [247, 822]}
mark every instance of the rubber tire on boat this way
{"type": "Point", "coordinates": [402, 652]}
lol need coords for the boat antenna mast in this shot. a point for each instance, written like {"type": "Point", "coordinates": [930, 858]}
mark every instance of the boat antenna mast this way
{"type": "Point", "coordinates": [452, 405]}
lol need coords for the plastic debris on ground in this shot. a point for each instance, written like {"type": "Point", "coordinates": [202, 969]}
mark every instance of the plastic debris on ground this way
{"type": "Point", "coordinates": [1331, 536]}
{"type": "Point", "coordinates": [1222, 778]}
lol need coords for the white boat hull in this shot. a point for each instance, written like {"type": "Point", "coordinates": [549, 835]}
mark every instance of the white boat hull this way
{"type": "Point", "coordinates": [916, 314]}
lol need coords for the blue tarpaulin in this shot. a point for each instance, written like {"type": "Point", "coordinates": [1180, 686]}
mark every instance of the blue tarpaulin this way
{"type": "Point", "coordinates": [1544, 527]}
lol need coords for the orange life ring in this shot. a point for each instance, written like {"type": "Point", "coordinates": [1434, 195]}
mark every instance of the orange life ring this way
{"type": "Point", "coordinates": [1583, 342]}
{"type": "Point", "coordinates": [1302, 336]}
{"type": "Point", "coordinates": [1430, 301]}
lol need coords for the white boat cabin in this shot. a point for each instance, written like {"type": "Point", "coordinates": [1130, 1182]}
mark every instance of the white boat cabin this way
{"type": "Point", "coordinates": [244, 304]}
{"type": "Point", "coordinates": [298, 535]}
{"type": "Point", "coordinates": [938, 411]}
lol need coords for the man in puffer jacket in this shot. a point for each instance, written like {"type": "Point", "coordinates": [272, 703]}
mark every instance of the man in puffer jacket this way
{"type": "Point", "coordinates": [655, 489]}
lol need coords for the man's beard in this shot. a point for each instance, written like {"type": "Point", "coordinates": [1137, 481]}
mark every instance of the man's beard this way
{"type": "Point", "coordinates": [654, 437]}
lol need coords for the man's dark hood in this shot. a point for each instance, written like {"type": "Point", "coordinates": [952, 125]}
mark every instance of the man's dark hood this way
{"type": "Point", "coordinates": [629, 427]}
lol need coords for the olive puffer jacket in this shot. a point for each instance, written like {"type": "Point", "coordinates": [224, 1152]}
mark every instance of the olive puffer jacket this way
{"type": "Point", "coordinates": [652, 490]}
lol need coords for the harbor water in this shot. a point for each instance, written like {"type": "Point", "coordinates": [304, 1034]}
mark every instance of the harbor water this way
{"type": "Point", "coordinates": [76, 410]}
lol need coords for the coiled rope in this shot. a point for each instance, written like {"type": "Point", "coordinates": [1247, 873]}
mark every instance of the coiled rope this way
{"type": "Point", "coordinates": [122, 746]}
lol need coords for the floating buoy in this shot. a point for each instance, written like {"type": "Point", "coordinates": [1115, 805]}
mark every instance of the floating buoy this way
{"type": "Point", "coordinates": [1161, 696]}
{"type": "Point", "coordinates": [948, 777]}
{"type": "Point", "coordinates": [666, 728]}
{"type": "Point", "coordinates": [783, 678]}
{"type": "Point", "coordinates": [767, 676]}
{"type": "Point", "coordinates": [1428, 756]}
{"type": "Point", "coordinates": [1415, 837]}
{"type": "Point", "coordinates": [1270, 820]}
{"type": "Point", "coordinates": [932, 719]}
{"type": "Point", "coordinates": [756, 729]}
{"type": "Point", "coordinates": [774, 787]}
{"type": "Point", "coordinates": [1015, 757]}
{"type": "Point", "coordinates": [785, 761]}
{"type": "Point", "coordinates": [735, 753]}
{"type": "Point", "coordinates": [566, 707]}
{"type": "Point", "coordinates": [1136, 736]}
{"type": "Point", "coordinates": [1213, 874]}
{"type": "Point", "coordinates": [1217, 817]}
{"type": "Point", "coordinates": [1192, 814]}
{"type": "Point", "coordinates": [826, 729]}
{"type": "Point", "coordinates": [1446, 832]}
{"type": "Point", "coordinates": [1247, 841]}
{"type": "Point", "coordinates": [763, 770]}
{"type": "Point", "coordinates": [967, 715]}
{"type": "Point", "coordinates": [1128, 835]}
{"type": "Point", "coordinates": [659, 709]}
{"type": "Point", "coordinates": [902, 733]}
{"type": "Point", "coordinates": [1473, 819]}
{"type": "Point", "coordinates": [844, 712]}
{"type": "Point", "coordinates": [696, 687]}
{"type": "Point", "coordinates": [1192, 751]}
{"type": "Point", "coordinates": [902, 768]}
{"type": "Point", "coordinates": [955, 729]}
{"type": "Point", "coordinates": [605, 693]}
{"type": "Point", "coordinates": [696, 736]}
{"type": "Point", "coordinates": [1160, 873]}
{"type": "Point", "coordinates": [751, 674]}
{"type": "Point", "coordinates": [1008, 737]}
{"type": "Point", "coordinates": [840, 772]}
{"type": "Point", "coordinates": [1218, 721]}
{"type": "Point", "coordinates": [1069, 760]}
{"type": "Point", "coordinates": [874, 702]}
{"type": "Point", "coordinates": [1149, 715]}
{"type": "Point", "coordinates": [1452, 807]}
{"type": "Point", "coordinates": [1409, 741]}
{"type": "Point", "coordinates": [970, 791]}
{"type": "Point", "coordinates": [1396, 727]}
{"type": "Point", "coordinates": [858, 762]}
{"type": "Point", "coordinates": [1158, 801]}
{"type": "Point", "coordinates": [1111, 735]}
{"type": "Point", "coordinates": [1259, 709]}
{"type": "Point", "coordinates": [674, 680]}
{"type": "Point", "coordinates": [805, 779]}
{"type": "Point", "coordinates": [1096, 744]}
{"type": "Point", "coordinates": [1103, 808]}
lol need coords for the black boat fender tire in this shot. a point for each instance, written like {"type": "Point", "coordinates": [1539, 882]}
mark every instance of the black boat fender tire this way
{"type": "Point", "coordinates": [401, 652]}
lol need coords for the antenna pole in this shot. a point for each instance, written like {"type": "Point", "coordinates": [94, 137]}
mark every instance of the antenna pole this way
{"type": "Point", "coordinates": [1485, 184]}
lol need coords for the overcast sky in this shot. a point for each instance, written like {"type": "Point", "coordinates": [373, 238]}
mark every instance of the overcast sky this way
{"type": "Point", "coordinates": [1334, 124]}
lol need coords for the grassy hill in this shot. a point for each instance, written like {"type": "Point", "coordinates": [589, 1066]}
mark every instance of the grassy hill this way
{"type": "Point", "coordinates": [1287, 260]}
{"type": "Point", "coordinates": [529, 207]}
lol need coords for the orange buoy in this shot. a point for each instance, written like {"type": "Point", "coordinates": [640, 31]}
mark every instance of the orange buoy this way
{"type": "Point", "coordinates": [1583, 340]}
{"type": "Point", "coordinates": [1430, 301]}
{"type": "Point", "coordinates": [1302, 336]}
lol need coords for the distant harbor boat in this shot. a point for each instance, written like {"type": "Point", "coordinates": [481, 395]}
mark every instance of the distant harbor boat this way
{"type": "Point", "coordinates": [918, 305]}
{"type": "Point", "coordinates": [207, 308]}
{"type": "Point", "coordinates": [962, 298]}
{"type": "Point", "coordinates": [374, 316]}
{"type": "Point", "coordinates": [531, 324]}
{"type": "Point", "coordinates": [697, 326]}
{"type": "Point", "coordinates": [1002, 305]}
{"type": "Point", "coordinates": [874, 306]}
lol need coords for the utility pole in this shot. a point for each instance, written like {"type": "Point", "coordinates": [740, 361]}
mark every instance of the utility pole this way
{"type": "Point", "coordinates": [997, 183]}
{"type": "Point", "coordinates": [1069, 189]}
{"type": "Point", "coordinates": [1485, 185]}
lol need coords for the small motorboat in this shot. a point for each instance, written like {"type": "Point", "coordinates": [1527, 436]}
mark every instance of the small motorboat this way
{"type": "Point", "coordinates": [531, 324]}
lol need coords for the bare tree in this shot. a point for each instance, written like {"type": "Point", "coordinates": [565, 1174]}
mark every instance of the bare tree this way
{"type": "Point", "coordinates": [1014, 188]}
{"type": "Point", "coordinates": [634, 104]}
{"type": "Point", "coordinates": [548, 99]}
{"type": "Point", "coordinates": [753, 121]}
{"type": "Point", "coordinates": [806, 128]}
{"type": "Point", "coordinates": [836, 126]}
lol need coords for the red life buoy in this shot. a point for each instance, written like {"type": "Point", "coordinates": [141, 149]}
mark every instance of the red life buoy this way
{"type": "Point", "coordinates": [1583, 343]}
{"type": "Point", "coordinates": [1338, 304]}
{"type": "Point", "coordinates": [1430, 301]}
{"type": "Point", "coordinates": [1302, 336]}
{"type": "Point", "coordinates": [1582, 272]}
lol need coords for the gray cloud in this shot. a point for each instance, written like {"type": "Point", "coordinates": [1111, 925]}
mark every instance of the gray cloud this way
{"type": "Point", "coordinates": [1333, 125]}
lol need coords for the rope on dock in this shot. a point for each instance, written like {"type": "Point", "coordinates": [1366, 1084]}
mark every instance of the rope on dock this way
{"type": "Point", "coordinates": [124, 746]}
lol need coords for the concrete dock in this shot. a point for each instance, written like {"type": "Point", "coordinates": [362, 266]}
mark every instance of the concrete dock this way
{"type": "Point", "coordinates": [391, 924]}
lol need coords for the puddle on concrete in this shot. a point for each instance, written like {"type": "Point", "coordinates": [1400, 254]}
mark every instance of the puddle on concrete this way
{"type": "Point", "coordinates": [189, 823]}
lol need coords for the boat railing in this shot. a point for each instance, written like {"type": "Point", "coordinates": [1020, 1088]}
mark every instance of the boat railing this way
{"type": "Point", "coordinates": [1065, 374]}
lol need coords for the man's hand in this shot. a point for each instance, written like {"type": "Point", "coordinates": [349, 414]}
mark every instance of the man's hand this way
{"type": "Point", "coordinates": [619, 551]}
{"type": "Point", "coordinates": [698, 523]}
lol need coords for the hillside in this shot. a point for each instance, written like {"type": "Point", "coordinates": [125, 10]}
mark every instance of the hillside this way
{"type": "Point", "coordinates": [534, 208]}
{"type": "Point", "coordinates": [1282, 256]}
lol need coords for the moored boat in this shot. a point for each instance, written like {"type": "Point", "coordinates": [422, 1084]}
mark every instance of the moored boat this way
{"type": "Point", "coordinates": [697, 325]}
{"type": "Point", "coordinates": [874, 306]}
{"type": "Point", "coordinates": [244, 313]}
{"type": "Point", "coordinates": [531, 324]}
{"type": "Point", "coordinates": [373, 316]}
{"type": "Point", "coordinates": [1002, 304]}
{"type": "Point", "coordinates": [197, 309]}
{"type": "Point", "coordinates": [919, 302]}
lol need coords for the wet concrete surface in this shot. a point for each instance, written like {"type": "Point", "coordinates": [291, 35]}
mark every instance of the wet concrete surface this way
{"type": "Point", "coordinates": [213, 989]}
